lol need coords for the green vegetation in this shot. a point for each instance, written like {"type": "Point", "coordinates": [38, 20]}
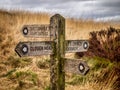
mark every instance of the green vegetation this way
{"type": "Point", "coordinates": [23, 78]}
{"type": "Point", "coordinates": [47, 88]}
{"type": "Point", "coordinates": [16, 62]}
{"type": "Point", "coordinates": [97, 65]}
{"type": "Point", "coordinates": [102, 73]}
{"type": "Point", "coordinates": [43, 63]}
{"type": "Point", "coordinates": [9, 73]}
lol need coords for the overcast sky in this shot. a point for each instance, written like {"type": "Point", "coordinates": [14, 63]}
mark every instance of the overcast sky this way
{"type": "Point", "coordinates": [87, 9]}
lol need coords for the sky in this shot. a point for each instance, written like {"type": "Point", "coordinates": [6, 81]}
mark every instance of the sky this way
{"type": "Point", "coordinates": [87, 9]}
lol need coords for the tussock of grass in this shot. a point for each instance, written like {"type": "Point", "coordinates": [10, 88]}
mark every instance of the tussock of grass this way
{"type": "Point", "coordinates": [43, 64]}
{"type": "Point", "coordinates": [23, 78]}
{"type": "Point", "coordinates": [9, 73]}
{"type": "Point", "coordinates": [47, 88]}
{"type": "Point", "coordinates": [16, 62]}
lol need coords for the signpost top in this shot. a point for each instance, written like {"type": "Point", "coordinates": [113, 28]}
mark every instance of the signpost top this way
{"type": "Point", "coordinates": [57, 16]}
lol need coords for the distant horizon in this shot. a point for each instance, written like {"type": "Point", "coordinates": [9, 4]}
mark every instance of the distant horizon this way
{"type": "Point", "coordinates": [102, 10]}
{"type": "Point", "coordinates": [84, 19]}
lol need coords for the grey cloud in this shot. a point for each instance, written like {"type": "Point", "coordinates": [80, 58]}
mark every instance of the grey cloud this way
{"type": "Point", "coordinates": [95, 9]}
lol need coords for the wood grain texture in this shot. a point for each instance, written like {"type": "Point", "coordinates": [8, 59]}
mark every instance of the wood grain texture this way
{"type": "Point", "coordinates": [73, 66]}
{"type": "Point", "coordinates": [73, 46]}
{"type": "Point", "coordinates": [34, 48]}
{"type": "Point", "coordinates": [40, 31]}
{"type": "Point", "coordinates": [57, 73]}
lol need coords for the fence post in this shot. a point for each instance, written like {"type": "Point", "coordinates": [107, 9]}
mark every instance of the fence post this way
{"type": "Point", "coordinates": [57, 73]}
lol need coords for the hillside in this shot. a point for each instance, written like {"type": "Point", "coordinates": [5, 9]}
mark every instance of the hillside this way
{"type": "Point", "coordinates": [17, 72]}
{"type": "Point", "coordinates": [11, 23]}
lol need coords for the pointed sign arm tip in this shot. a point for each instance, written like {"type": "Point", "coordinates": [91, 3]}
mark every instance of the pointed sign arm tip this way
{"type": "Point", "coordinates": [17, 52]}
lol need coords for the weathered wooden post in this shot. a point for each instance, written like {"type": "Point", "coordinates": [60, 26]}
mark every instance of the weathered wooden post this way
{"type": "Point", "coordinates": [57, 73]}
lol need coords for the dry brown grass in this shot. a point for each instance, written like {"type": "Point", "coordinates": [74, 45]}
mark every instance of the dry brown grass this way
{"type": "Point", "coordinates": [80, 29]}
{"type": "Point", "coordinates": [10, 25]}
{"type": "Point", "coordinates": [12, 22]}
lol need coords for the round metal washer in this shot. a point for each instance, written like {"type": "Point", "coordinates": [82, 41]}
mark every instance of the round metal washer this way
{"type": "Point", "coordinates": [85, 45]}
{"type": "Point", "coordinates": [25, 31]}
{"type": "Point", "coordinates": [81, 68]}
{"type": "Point", "coordinates": [24, 49]}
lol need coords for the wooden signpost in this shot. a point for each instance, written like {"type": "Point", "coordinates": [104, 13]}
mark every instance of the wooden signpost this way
{"type": "Point", "coordinates": [56, 48]}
